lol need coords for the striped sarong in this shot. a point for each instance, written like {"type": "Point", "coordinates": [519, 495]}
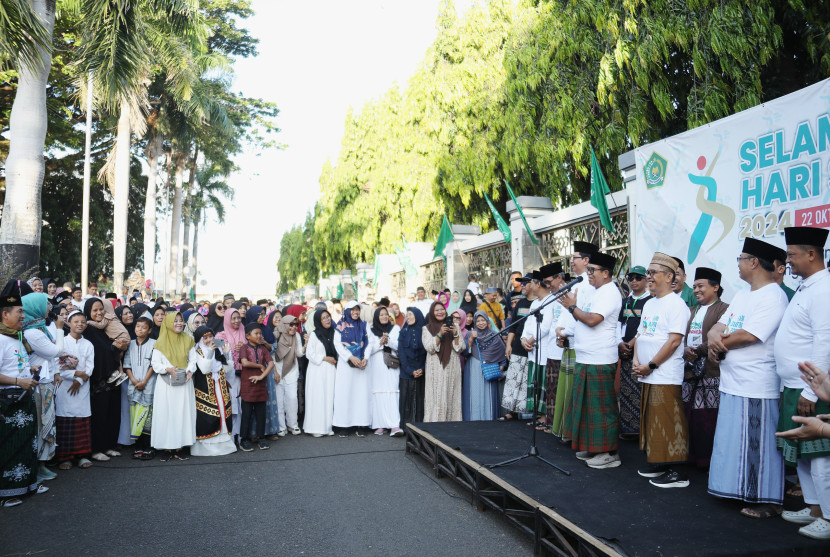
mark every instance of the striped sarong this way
{"type": "Point", "coordinates": [664, 434]}
{"type": "Point", "coordinates": [793, 450]}
{"type": "Point", "coordinates": [74, 437]}
{"type": "Point", "coordinates": [536, 378]}
{"type": "Point", "coordinates": [745, 462]}
{"type": "Point", "coordinates": [18, 447]}
{"type": "Point", "coordinates": [45, 403]}
{"type": "Point", "coordinates": [564, 390]}
{"type": "Point", "coordinates": [593, 422]}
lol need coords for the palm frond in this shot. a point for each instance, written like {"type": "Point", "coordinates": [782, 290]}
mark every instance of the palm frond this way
{"type": "Point", "coordinates": [23, 36]}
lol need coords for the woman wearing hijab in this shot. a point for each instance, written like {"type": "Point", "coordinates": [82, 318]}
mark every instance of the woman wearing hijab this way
{"type": "Point", "coordinates": [104, 398]}
{"type": "Point", "coordinates": [193, 320]}
{"type": "Point", "coordinates": [210, 367]}
{"type": "Point", "coordinates": [319, 381]}
{"type": "Point", "coordinates": [444, 298]}
{"type": "Point", "coordinates": [397, 315]}
{"type": "Point", "coordinates": [242, 308]}
{"type": "Point", "coordinates": [233, 334]}
{"type": "Point", "coordinates": [455, 301]}
{"type": "Point", "coordinates": [158, 312]}
{"type": "Point", "coordinates": [461, 319]}
{"type": "Point", "coordinates": [469, 303]}
{"type": "Point", "coordinates": [174, 400]}
{"type": "Point", "coordinates": [216, 318]}
{"type": "Point", "coordinates": [299, 312]}
{"type": "Point", "coordinates": [46, 342]}
{"type": "Point", "coordinates": [480, 398]}
{"type": "Point", "coordinates": [413, 363]}
{"type": "Point", "coordinates": [126, 317]}
{"type": "Point", "coordinates": [383, 370]}
{"type": "Point", "coordinates": [442, 397]}
{"type": "Point", "coordinates": [138, 310]}
{"type": "Point", "coordinates": [289, 349]}
{"type": "Point", "coordinates": [271, 320]}
{"type": "Point", "coordinates": [351, 384]}
{"type": "Point", "coordinates": [185, 308]}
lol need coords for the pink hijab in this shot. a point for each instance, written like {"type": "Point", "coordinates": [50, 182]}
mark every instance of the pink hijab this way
{"type": "Point", "coordinates": [231, 336]}
{"type": "Point", "coordinates": [444, 298]}
{"type": "Point", "coordinates": [463, 315]}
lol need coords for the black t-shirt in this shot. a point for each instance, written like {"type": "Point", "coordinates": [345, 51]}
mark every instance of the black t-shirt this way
{"type": "Point", "coordinates": [630, 315]}
{"type": "Point", "coordinates": [522, 309]}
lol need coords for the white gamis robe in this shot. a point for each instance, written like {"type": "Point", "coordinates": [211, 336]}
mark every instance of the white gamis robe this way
{"type": "Point", "coordinates": [352, 390]}
{"type": "Point", "coordinates": [319, 389]}
{"type": "Point", "coordinates": [384, 383]}
{"type": "Point", "coordinates": [174, 410]}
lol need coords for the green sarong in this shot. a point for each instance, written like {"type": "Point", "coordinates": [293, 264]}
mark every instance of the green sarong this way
{"type": "Point", "coordinates": [564, 389]}
{"type": "Point", "coordinates": [793, 450]}
{"type": "Point", "coordinates": [536, 373]}
{"type": "Point", "coordinates": [140, 420]}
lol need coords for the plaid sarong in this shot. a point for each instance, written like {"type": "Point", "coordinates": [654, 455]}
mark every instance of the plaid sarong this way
{"type": "Point", "coordinates": [793, 450]}
{"type": "Point", "coordinates": [564, 390]}
{"type": "Point", "coordinates": [552, 382]}
{"type": "Point", "coordinates": [593, 424]}
{"type": "Point", "coordinates": [74, 437]}
{"type": "Point", "coordinates": [664, 433]}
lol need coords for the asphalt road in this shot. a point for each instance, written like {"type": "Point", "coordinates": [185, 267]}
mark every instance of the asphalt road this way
{"type": "Point", "coordinates": [304, 496]}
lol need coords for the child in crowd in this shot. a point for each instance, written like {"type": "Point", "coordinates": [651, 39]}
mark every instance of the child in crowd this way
{"type": "Point", "coordinates": [256, 365]}
{"type": "Point", "coordinates": [72, 409]}
{"type": "Point", "coordinates": [117, 333]}
{"type": "Point", "coordinates": [137, 366]}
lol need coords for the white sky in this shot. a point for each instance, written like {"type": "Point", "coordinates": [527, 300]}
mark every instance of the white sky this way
{"type": "Point", "coordinates": [316, 59]}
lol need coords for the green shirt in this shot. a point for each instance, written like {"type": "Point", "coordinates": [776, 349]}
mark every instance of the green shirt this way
{"type": "Point", "coordinates": [788, 291]}
{"type": "Point", "coordinates": [688, 296]}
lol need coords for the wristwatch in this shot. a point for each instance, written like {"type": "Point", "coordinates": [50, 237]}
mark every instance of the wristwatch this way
{"type": "Point", "coordinates": [571, 309]}
{"type": "Point", "coordinates": [652, 366]}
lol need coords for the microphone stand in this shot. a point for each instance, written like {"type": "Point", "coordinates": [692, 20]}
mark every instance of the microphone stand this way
{"type": "Point", "coordinates": [533, 451]}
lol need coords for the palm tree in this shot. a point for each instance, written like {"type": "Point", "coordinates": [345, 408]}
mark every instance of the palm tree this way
{"type": "Point", "coordinates": [21, 224]}
{"type": "Point", "coordinates": [22, 33]}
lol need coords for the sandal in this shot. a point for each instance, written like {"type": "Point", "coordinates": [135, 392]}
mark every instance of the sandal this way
{"type": "Point", "coordinates": [41, 489]}
{"type": "Point", "coordinates": [13, 502]}
{"type": "Point", "coordinates": [112, 453]}
{"type": "Point", "coordinates": [65, 465]}
{"type": "Point", "coordinates": [100, 457]}
{"type": "Point", "coordinates": [795, 491]}
{"type": "Point", "coordinates": [179, 456]}
{"type": "Point", "coordinates": [762, 511]}
{"type": "Point", "coordinates": [166, 455]}
{"type": "Point", "coordinates": [84, 463]}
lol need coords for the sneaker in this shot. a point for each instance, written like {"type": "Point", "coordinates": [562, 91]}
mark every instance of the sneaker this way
{"type": "Point", "coordinates": [330, 433]}
{"type": "Point", "coordinates": [653, 470]}
{"type": "Point", "coordinates": [316, 435]}
{"type": "Point", "coordinates": [799, 517]}
{"type": "Point", "coordinates": [671, 478]}
{"type": "Point", "coordinates": [819, 529]}
{"type": "Point", "coordinates": [380, 431]}
{"type": "Point", "coordinates": [296, 431]}
{"type": "Point", "coordinates": [246, 446]}
{"type": "Point", "coordinates": [584, 455]}
{"type": "Point", "coordinates": [396, 432]}
{"type": "Point", "coordinates": [282, 433]}
{"type": "Point", "coordinates": [604, 460]}
{"type": "Point", "coordinates": [263, 445]}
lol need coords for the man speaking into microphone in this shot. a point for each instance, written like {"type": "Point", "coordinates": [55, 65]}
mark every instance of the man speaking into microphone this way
{"type": "Point", "coordinates": [593, 422]}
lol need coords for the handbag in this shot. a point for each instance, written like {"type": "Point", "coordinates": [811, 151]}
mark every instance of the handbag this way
{"type": "Point", "coordinates": [390, 360]}
{"type": "Point", "coordinates": [492, 372]}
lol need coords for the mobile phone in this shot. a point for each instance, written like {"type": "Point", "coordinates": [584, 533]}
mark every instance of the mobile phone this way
{"type": "Point", "coordinates": [35, 372]}
{"type": "Point", "coordinates": [219, 343]}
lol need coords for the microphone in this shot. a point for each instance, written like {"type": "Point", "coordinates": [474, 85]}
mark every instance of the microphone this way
{"type": "Point", "coordinates": [568, 286]}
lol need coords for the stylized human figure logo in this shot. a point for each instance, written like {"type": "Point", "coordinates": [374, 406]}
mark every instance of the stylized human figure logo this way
{"type": "Point", "coordinates": [706, 195]}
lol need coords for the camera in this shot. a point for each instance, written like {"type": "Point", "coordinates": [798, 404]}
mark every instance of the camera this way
{"type": "Point", "coordinates": [448, 321]}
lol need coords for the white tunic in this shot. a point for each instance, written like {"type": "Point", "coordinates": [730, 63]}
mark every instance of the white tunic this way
{"type": "Point", "coordinates": [221, 443]}
{"type": "Point", "coordinates": [384, 382]}
{"type": "Point", "coordinates": [45, 351]}
{"type": "Point", "coordinates": [174, 410]}
{"type": "Point", "coordinates": [75, 406]}
{"type": "Point", "coordinates": [352, 403]}
{"type": "Point", "coordinates": [319, 389]}
{"type": "Point", "coordinates": [547, 325]}
{"type": "Point", "coordinates": [14, 362]}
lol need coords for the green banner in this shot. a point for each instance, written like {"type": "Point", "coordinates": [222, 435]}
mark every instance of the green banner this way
{"type": "Point", "coordinates": [503, 227]}
{"type": "Point", "coordinates": [444, 238]}
{"type": "Point", "coordinates": [521, 214]}
{"type": "Point", "coordinates": [599, 189]}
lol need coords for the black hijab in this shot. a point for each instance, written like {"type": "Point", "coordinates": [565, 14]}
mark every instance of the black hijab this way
{"type": "Point", "coordinates": [154, 333]}
{"type": "Point", "coordinates": [105, 361]}
{"type": "Point", "coordinates": [377, 328]}
{"type": "Point", "coordinates": [325, 336]}
{"type": "Point", "coordinates": [216, 323]}
{"type": "Point", "coordinates": [411, 345]}
{"type": "Point", "coordinates": [119, 311]}
{"type": "Point", "coordinates": [469, 307]}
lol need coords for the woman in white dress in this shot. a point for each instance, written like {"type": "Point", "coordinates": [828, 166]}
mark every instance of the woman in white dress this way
{"type": "Point", "coordinates": [352, 404]}
{"type": "Point", "coordinates": [209, 367]}
{"type": "Point", "coordinates": [319, 378]}
{"type": "Point", "coordinates": [174, 405]}
{"type": "Point", "coordinates": [384, 372]}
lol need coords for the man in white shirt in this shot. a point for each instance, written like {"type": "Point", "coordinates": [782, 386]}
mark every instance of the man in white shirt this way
{"type": "Point", "coordinates": [564, 339]}
{"type": "Point", "coordinates": [804, 335]}
{"type": "Point", "coordinates": [745, 464]}
{"type": "Point", "coordinates": [554, 279]}
{"type": "Point", "coordinates": [593, 421]}
{"type": "Point", "coordinates": [473, 286]}
{"type": "Point", "coordinates": [422, 302]}
{"type": "Point", "coordinates": [658, 365]}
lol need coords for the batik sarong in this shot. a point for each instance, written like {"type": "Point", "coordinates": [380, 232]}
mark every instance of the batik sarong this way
{"type": "Point", "coordinates": [664, 434]}
{"type": "Point", "coordinates": [630, 395]}
{"type": "Point", "coordinates": [514, 397]}
{"type": "Point", "coordinates": [18, 447]}
{"type": "Point", "coordinates": [701, 400]}
{"type": "Point", "coordinates": [552, 382]}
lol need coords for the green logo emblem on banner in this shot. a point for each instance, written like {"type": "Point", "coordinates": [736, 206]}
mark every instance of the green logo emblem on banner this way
{"type": "Point", "coordinates": [655, 171]}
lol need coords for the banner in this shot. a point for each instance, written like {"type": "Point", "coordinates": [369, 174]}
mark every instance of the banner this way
{"type": "Point", "coordinates": [699, 194]}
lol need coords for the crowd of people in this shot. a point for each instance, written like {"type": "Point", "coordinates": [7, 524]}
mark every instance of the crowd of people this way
{"type": "Point", "coordinates": [737, 389]}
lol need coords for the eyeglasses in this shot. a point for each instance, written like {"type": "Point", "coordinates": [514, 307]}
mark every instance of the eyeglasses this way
{"type": "Point", "coordinates": [741, 257]}
{"type": "Point", "coordinates": [295, 324]}
{"type": "Point", "coordinates": [456, 318]}
{"type": "Point", "coordinates": [592, 270]}
{"type": "Point", "coordinates": [575, 256]}
{"type": "Point", "coordinates": [652, 272]}
{"type": "Point", "coordinates": [630, 278]}
{"type": "Point", "coordinates": [220, 307]}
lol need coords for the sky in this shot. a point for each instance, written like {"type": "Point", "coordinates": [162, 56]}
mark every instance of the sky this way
{"type": "Point", "coordinates": [316, 60]}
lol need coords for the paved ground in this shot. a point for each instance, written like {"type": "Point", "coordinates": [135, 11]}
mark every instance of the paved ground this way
{"type": "Point", "coordinates": [304, 496]}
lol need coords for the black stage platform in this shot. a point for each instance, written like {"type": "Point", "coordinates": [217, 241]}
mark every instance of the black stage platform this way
{"type": "Point", "coordinates": [597, 512]}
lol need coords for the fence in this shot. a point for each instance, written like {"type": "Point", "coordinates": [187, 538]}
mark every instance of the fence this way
{"type": "Point", "coordinates": [399, 285]}
{"type": "Point", "coordinates": [491, 265]}
{"type": "Point", "coordinates": [433, 275]}
{"type": "Point", "coordinates": [557, 245]}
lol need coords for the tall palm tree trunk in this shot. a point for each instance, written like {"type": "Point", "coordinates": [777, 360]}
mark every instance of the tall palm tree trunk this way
{"type": "Point", "coordinates": [121, 201]}
{"type": "Point", "coordinates": [152, 152]}
{"type": "Point", "coordinates": [188, 219]}
{"type": "Point", "coordinates": [21, 217]}
{"type": "Point", "coordinates": [195, 255]}
{"type": "Point", "coordinates": [175, 223]}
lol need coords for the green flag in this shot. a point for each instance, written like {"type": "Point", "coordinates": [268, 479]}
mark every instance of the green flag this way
{"type": "Point", "coordinates": [339, 291]}
{"type": "Point", "coordinates": [406, 262]}
{"type": "Point", "coordinates": [599, 189]}
{"type": "Point", "coordinates": [521, 214]}
{"type": "Point", "coordinates": [377, 271]}
{"type": "Point", "coordinates": [328, 293]}
{"type": "Point", "coordinates": [444, 237]}
{"type": "Point", "coordinates": [503, 228]}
